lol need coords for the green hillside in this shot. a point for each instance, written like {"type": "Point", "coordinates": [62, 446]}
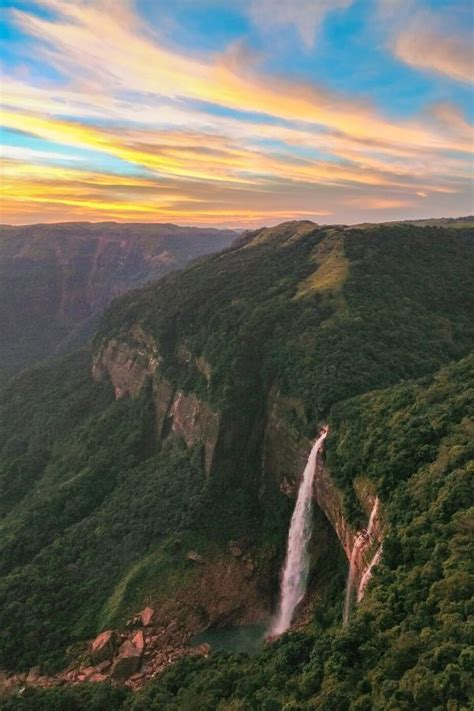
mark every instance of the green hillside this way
{"type": "Point", "coordinates": [367, 328]}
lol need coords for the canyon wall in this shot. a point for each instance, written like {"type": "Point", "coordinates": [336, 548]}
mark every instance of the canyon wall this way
{"type": "Point", "coordinates": [131, 362]}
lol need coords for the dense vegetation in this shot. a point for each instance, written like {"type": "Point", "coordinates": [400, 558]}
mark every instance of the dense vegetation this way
{"type": "Point", "coordinates": [83, 501]}
{"type": "Point", "coordinates": [89, 498]}
{"type": "Point", "coordinates": [408, 644]}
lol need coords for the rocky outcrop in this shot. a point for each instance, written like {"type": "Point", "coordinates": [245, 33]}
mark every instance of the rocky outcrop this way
{"type": "Point", "coordinates": [132, 361]}
{"type": "Point", "coordinates": [103, 647]}
{"type": "Point", "coordinates": [146, 616]}
{"type": "Point", "coordinates": [148, 646]}
{"type": "Point", "coordinates": [128, 363]}
{"type": "Point", "coordinates": [128, 661]}
{"type": "Point", "coordinates": [194, 421]}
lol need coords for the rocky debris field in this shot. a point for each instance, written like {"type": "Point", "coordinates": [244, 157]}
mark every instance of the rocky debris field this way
{"type": "Point", "coordinates": [130, 657]}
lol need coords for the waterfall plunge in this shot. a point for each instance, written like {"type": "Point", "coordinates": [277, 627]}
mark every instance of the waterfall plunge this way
{"type": "Point", "coordinates": [295, 571]}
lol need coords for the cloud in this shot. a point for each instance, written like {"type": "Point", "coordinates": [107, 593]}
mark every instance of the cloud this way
{"type": "Point", "coordinates": [73, 44]}
{"type": "Point", "coordinates": [437, 42]}
{"type": "Point", "coordinates": [306, 15]}
{"type": "Point", "coordinates": [261, 148]}
{"type": "Point", "coordinates": [425, 45]}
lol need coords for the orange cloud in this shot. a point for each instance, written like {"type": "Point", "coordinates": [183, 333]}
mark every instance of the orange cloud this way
{"type": "Point", "coordinates": [73, 41]}
{"type": "Point", "coordinates": [311, 151]}
{"type": "Point", "coordinates": [426, 45]}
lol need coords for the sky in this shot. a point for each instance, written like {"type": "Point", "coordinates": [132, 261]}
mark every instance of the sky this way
{"type": "Point", "coordinates": [236, 113]}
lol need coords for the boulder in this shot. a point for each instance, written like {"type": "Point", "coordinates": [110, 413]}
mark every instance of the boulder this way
{"type": "Point", "coordinates": [104, 666]}
{"type": "Point", "coordinates": [103, 647]}
{"type": "Point", "coordinates": [205, 648]}
{"type": "Point", "coordinates": [194, 556]}
{"type": "Point", "coordinates": [85, 673]}
{"type": "Point", "coordinates": [146, 616]}
{"type": "Point", "coordinates": [97, 678]}
{"type": "Point", "coordinates": [33, 675]}
{"type": "Point", "coordinates": [235, 551]}
{"type": "Point", "coordinates": [138, 640]}
{"type": "Point", "coordinates": [127, 663]}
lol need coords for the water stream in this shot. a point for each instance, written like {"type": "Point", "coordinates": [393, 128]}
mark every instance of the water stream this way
{"type": "Point", "coordinates": [295, 571]}
{"type": "Point", "coordinates": [363, 540]}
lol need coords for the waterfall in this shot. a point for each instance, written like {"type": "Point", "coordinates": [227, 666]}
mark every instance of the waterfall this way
{"type": "Point", "coordinates": [357, 548]}
{"type": "Point", "coordinates": [362, 541]}
{"type": "Point", "coordinates": [295, 571]}
{"type": "Point", "coordinates": [368, 573]}
{"type": "Point", "coordinates": [373, 517]}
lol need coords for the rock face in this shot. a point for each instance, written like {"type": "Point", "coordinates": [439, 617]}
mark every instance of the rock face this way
{"type": "Point", "coordinates": [130, 363]}
{"type": "Point", "coordinates": [127, 663]}
{"type": "Point", "coordinates": [146, 616]}
{"type": "Point", "coordinates": [103, 647]}
{"type": "Point", "coordinates": [56, 279]}
{"type": "Point", "coordinates": [195, 422]}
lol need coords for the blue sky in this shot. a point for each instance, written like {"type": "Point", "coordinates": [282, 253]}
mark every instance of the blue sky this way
{"type": "Point", "coordinates": [242, 113]}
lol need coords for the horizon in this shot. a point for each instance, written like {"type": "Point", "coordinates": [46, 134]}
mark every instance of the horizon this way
{"type": "Point", "coordinates": [236, 116]}
{"type": "Point", "coordinates": [269, 225]}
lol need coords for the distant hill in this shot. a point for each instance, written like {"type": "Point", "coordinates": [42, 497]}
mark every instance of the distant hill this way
{"type": "Point", "coordinates": [56, 279]}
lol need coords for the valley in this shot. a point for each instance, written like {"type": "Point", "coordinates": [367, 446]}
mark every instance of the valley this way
{"type": "Point", "coordinates": [158, 466]}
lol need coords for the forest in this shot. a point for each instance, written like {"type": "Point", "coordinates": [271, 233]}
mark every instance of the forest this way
{"type": "Point", "coordinates": [379, 349]}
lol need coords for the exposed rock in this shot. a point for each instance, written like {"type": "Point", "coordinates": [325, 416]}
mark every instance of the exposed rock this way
{"type": "Point", "coordinates": [146, 616]}
{"type": "Point", "coordinates": [104, 666]}
{"type": "Point", "coordinates": [235, 551]}
{"type": "Point", "coordinates": [194, 421]}
{"type": "Point", "coordinates": [85, 673]}
{"type": "Point", "coordinates": [163, 393]}
{"type": "Point", "coordinates": [128, 364]}
{"type": "Point", "coordinates": [204, 649]}
{"type": "Point", "coordinates": [97, 678]}
{"type": "Point", "coordinates": [285, 455]}
{"type": "Point", "coordinates": [194, 556]}
{"type": "Point", "coordinates": [127, 663]}
{"type": "Point", "coordinates": [33, 675]}
{"type": "Point", "coordinates": [103, 646]}
{"type": "Point", "coordinates": [138, 640]}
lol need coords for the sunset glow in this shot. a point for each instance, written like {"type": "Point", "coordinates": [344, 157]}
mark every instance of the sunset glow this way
{"type": "Point", "coordinates": [235, 114]}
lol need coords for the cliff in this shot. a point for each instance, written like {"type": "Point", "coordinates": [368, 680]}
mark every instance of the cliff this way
{"type": "Point", "coordinates": [133, 362]}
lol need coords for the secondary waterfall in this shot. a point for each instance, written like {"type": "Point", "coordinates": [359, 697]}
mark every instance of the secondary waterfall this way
{"type": "Point", "coordinates": [368, 573]}
{"type": "Point", "coordinates": [362, 541]}
{"type": "Point", "coordinates": [295, 571]}
{"type": "Point", "coordinates": [357, 548]}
